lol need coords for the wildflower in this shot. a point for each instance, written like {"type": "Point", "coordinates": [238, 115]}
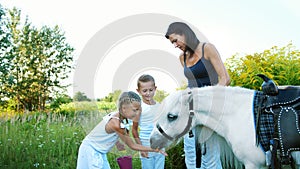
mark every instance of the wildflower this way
{"type": "Point", "coordinates": [36, 165]}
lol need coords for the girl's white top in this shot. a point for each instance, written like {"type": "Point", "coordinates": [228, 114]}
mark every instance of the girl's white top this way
{"type": "Point", "coordinates": [147, 118]}
{"type": "Point", "coordinates": [99, 139]}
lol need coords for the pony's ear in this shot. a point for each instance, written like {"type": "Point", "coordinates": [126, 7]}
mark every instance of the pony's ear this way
{"type": "Point", "coordinates": [190, 97]}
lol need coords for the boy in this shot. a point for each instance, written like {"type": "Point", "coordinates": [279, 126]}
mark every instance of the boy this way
{"type": "Point", "coordinates": [145, 121]}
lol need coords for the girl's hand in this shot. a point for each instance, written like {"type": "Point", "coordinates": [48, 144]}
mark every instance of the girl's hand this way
{"type": "Point", "coordinates": [120, 146]}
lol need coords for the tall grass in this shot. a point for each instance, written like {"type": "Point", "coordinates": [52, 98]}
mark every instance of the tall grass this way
{"type": "Point", "coordinates": [51, 140]}
{"type": "Point", "coordinates": [39, 141]}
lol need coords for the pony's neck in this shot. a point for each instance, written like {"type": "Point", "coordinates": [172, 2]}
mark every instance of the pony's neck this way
{"type": "Point", "coordinates": [216, 106]}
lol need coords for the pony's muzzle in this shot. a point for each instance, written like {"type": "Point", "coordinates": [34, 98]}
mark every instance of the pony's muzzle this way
{"type": "Point", "coordinates": [157, 141]}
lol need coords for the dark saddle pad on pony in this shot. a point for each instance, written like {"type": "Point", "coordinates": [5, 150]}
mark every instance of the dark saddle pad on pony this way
{"type": "Point", "coordinates": [277, 117]}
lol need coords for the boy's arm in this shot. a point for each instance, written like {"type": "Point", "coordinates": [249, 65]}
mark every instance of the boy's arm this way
{"type": "Point", "coordinates": [135, 132]}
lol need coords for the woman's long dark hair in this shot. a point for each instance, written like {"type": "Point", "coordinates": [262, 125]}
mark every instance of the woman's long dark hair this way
{"type": "Point", "coordinates": [181, 28]}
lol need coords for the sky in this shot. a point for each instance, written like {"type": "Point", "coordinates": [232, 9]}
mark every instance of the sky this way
{"type": "Point", "coordinates": [233, 26]}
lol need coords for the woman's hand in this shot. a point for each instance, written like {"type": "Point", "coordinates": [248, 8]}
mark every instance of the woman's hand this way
{"type": "Point", "coordinates": [144, 154]}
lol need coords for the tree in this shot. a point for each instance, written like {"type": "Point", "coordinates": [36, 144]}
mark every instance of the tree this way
{"type": "Point", "coordinates": [80, 96]}
{"type": "Point", "coordinates": [59, 100]}
{"type": "Point", "coordinates": [280, 64]}
{"type": "Point", "coordinates": [4, 60]}
{"type": "Point", "coordinates": [4, 35]}
{"type": "Point", "coordinates": [39, 59]}
{"type": "Point", "coordinates": [112, 97]}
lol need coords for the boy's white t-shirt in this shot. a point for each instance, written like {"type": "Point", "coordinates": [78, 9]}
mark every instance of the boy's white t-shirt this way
{"type": "Point", "coordinates": [146, 122]}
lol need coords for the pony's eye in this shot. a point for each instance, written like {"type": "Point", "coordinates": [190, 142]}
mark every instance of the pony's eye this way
{"type": "Point", "coordinates": [172, 117]}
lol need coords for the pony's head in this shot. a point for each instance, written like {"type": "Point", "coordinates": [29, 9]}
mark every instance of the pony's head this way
{"type": "Point", "coordinates": [174, 119]}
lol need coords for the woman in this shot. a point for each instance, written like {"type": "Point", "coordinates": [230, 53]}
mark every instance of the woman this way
{"type": "Point", "coordinates": [202, 67]}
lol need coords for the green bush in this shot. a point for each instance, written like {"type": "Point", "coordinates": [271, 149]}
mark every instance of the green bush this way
{"type": "Point", "coordinates": [106, 106]}
{"type": "Point", "coordinates": [73, 108]}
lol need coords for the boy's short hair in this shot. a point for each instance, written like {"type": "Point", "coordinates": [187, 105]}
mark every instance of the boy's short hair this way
{"type": "Point", "coordinates": [145, 78]}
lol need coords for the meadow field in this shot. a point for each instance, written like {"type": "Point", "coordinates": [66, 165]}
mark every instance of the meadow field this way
{"type": "Point", "coordinates": [51, 140]}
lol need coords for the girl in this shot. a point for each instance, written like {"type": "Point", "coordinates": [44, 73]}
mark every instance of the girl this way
{"type": "Point", "coordinates": [95, 146]}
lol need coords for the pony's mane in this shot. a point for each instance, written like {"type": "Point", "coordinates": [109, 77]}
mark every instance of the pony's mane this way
{"type": "Point", "coordinates": [219, 89]}
{"type": "Point", "coordinates": [171, 100]}
{"type": "Point", "coordinates": [228, 159]}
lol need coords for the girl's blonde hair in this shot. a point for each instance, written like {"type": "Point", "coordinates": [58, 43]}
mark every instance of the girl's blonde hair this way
{"type": "Point", "coordinates": [128, 98]}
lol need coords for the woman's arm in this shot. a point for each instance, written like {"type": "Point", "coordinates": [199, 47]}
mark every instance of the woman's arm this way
{"type": "Point", "coordinates": [213, 56]}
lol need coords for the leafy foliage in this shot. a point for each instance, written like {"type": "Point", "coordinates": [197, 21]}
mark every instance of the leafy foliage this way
{"type": "Point", "coordinates": [183, 86]}
{"type": "Point", "coordinates": [59, 100]}
{"type": "Point", "coordinates": [4, 45]}
{"type": "Point", "coordinates": [85, 107]}
{"type": "Point", "coordinates": [112, 97]}
{"type": "Point", "coordinates": [160, 95]}
{"type": "Point", "coordinates": [280, 64]}
{"type": "Point", "coordinates": [34, 62]}
{"type": "Point", "coordinates": [106, 106]}
{"type": "Point", "coordinates": [80, 96]}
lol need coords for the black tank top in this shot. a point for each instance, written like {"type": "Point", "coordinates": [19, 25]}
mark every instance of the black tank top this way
{"type": "Point", "coordinates": [201, 74]}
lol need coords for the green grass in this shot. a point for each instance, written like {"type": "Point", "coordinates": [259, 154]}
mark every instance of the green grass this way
{"type": "Point", "coordinates": [41, 140]}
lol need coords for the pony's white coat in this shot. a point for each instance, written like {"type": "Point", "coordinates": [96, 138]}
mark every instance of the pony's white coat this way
{"type": "Point", "coordinates": [226, 110]}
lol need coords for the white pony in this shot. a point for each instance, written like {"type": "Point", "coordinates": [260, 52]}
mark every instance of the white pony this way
{"type": "Point", "coordinates": [226, 110]}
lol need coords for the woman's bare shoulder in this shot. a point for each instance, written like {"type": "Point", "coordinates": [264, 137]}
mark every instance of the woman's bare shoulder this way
{"type": "Point", "coordinates": [209, 46]}
{"type": "Point", "coordinates": [210, 51]}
